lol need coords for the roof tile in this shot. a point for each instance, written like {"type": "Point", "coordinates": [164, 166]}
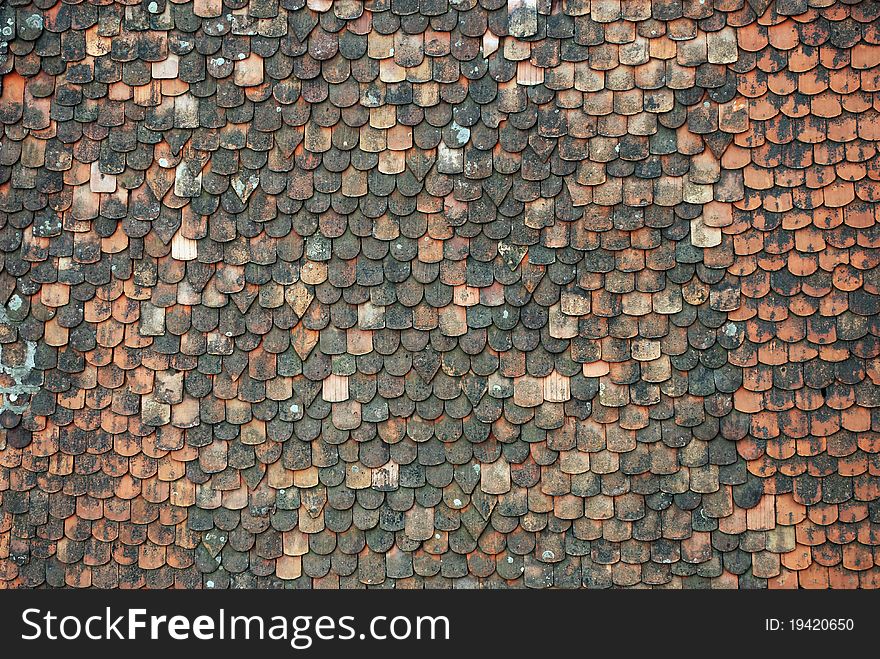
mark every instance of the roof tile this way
{"type": "Point", "coordinates": [261, 275]}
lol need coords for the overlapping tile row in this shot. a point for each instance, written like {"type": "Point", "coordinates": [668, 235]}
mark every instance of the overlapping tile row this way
{"type": "Point", "coordinates": [805, 238]}
{"type": "Point", "coordinates": [429, 293]}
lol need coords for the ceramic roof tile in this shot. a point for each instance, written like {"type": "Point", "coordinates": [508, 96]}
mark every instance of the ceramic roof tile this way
{"type": "Point", "coordinates": [489, 281]}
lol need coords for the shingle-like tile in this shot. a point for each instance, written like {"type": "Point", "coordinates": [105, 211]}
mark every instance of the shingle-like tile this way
{"type": "Point", "coordinates": [370, 294]}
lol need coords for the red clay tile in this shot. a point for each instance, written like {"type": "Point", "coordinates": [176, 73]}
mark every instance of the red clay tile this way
{"type": "Point", "coordinates": [280, 303]}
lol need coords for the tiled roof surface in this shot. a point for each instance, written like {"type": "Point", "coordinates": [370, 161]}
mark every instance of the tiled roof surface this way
{"type": "Point", "coordinates": [440, 293]}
